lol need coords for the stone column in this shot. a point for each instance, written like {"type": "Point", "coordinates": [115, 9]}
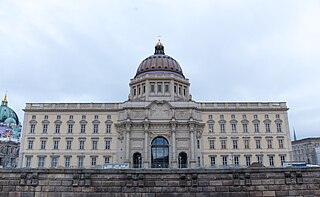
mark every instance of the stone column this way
{"type": "Point", "coordinates": [192, 150]}
{"type": "Point", "coordinates": [173, 125]}
{"type": "Point", "coordinates": [146, 124]}
{"type": "Point", "coordinates": [128, 129]}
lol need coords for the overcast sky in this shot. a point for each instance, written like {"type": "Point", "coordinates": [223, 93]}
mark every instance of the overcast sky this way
{"type": "Point", "coordinates": [88, 50]}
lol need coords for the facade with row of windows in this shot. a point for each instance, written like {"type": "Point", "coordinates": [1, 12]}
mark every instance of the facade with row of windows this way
{"type": "Point", "coordinates": [159, 126]}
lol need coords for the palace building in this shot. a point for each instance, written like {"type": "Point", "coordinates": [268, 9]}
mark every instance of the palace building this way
{"type": "Point", "coordinates": [159, 126]}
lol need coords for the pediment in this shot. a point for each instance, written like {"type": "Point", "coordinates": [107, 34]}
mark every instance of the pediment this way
{"type": "Point", "coordinates": [160, 110]}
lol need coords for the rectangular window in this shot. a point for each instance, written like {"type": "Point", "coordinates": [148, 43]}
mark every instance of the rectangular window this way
{"type": "Point", "coordinates": [70, 128]}
{"type": "Point", "coordinates": [268, 128]}
{"type": "Point", "coordinates": [184, 91]}
{"type": "Point", "coordinates": [83, 128]}
{"type": "Point", "coordinates": [281, 143]}
{"type": "Point", "coordinates": [95, 128]}
{"type": "Point", "coordinates": [55, 144]}
{"type": "Point", "coordinates": [234, 127]}
{"type": "Point", "coordinates": [45, 128]}
{"type": "Point", "coordinates": [258, 144]}
{"type": "Point", "coordinates": [279, 127]}
{"type": "Point", "coordinates": [210, 117]}
{"type": "Point", "coordinates": [28, 162]}
{"type": "Point", "coordinates": [211, 144]}
{"type": "Point", "coordinates": [139, 90]}
{"type": "Point", "coordinates": [271, 161]}
{"type": "Point", "coordinates": [58, 117]}
{"type": "Point", "coordinates": [277, 116]}
{"type": "Point", "coordinates": [54, 162]}
{"type": "Point", "coordinates": [210, 128]}
{"type": "Point", "coordinates": [46, 117]}
{"type": "Point", "coordinates": [222, 128]}
{"type": "Point", "coordinates": [69, 143]}
{"type": "Point", "coordinates": [41, 162]}
{"type": "Point", "coordinates": [282, 159]}
{"type": "Point", "coordinates": [246, 144]}
{"type": "Point", "coordinates": [166, 87]}
{"type": "Point", "coordinates": [32, 128]}
{"type": "Point", "coordinates": [175, 88]}
{"type": "Point", "coordinates": [108, 117]}
{"type": "Point", "coordinates": [244, 116]}
{"type": "Point", "coordinates": [34, 117]}
{"type": "Point", "coordinates": [106, 159]}
{"type": "Point", "coordinates": [84, 117]}
{"type": "Point", "coordinates": [212, 161]}
{"type": "Point", "coordinates": [80, 162]}
{"type": "Point", "coordinates": [107, 146]}
{"type": "Point", "coordinates": [57, 128]}
{"type": "Point", "coordinates": [224, 160]}
{"type": "Point", "coordinates": [248, 160]}
{"type": "Point", "coordinates": [143, 88]}
{"type": "Point", "coordinates": [93, 161]}
{"type": "Point", "coordinates": [159, 87]}
{"type": "Point", "coordinates": [30, 144]}
{"type": "Point", "coordinates": [152, 87]}
{"type": "Point", "coordinates": [256, 127]}
{"type": "Point", "coordinates": [255, 116]}
{"type": "Point", "coordinates": [269, 142]}
{"type": "Point", "coordinates": [134, 91]}
{"type": "Point", "coordinates": [198, 161]}
{"type": "Point", "coordinates": [260, 159]}
{"type": "Point", "coordinates": [245, 128]}
{"type": "Point", "coordinates": [70, 117]}
{"type": "Point", "coordinates": [67, 161]}
{"type": "Point", "coordinates": [96, 117]}
{"type": "Point", "coordinates": [108, 128]}
{"type": "Point", "coordinates": [266, 116]}
{"type": "Point", "coordinates": [179, 90]}
{"type": "Point", "coordinates": [43, 144]}
{"type": "Point", "coordinates": [81, 144]}
{"type": "Point", "coordinates": [235, 144]}
{"type": "Point", "coordinates": [233, 116]}
{"type": "Point", "coordinates": [221, 117]}
{"type": "Point", "coordinates": [198, 144]}
{"type": "Point", "coordinates": [236, 160]}
{"type": "Point", "coordinates": [223, 144]}
{"type": "Point", "coordinates": [94, 144]}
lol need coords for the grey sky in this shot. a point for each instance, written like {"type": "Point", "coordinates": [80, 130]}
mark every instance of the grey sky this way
{"type": "Point", "coordinates": [87, 51]}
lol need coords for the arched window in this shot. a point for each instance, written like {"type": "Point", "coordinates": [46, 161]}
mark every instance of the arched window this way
{"type": "Point", "coordinates": [183, 160]}
{"type": "Point", "coordinates": [159, 153]}
{"type": "Point", "coordinates": [137, 160]}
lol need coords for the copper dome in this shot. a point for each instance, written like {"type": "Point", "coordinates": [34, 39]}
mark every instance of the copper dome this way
{"type": "Point", "coordinates": [159, 63]}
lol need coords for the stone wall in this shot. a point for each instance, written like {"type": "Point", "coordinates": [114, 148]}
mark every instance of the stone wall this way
{"type": "Point", "coordinates": [144, 183]}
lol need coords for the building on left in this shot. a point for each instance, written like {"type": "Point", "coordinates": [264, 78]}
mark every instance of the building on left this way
{"type": "Point", "coordinates": [10, 131]}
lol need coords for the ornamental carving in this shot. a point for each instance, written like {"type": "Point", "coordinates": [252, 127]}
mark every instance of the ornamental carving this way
{"type": "Point", "coordinates": [159, 111]}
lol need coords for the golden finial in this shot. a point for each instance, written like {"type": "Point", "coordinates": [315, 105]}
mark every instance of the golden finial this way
{"type": "Point", "coordinates": [159, 42]}
{"type": "Point", "coordinates": [5, 97]}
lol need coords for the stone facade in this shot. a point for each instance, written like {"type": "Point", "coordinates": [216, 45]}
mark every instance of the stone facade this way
{"type": "Point", "coordinates": [306, 150]}
{"type": "Point", "coordinates": [155, 183]}
{"type": "Point", "coordinates": [159, 126]}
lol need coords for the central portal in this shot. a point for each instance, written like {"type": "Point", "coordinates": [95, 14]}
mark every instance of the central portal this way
{"type": "Point", "coordinates": [159, 153]}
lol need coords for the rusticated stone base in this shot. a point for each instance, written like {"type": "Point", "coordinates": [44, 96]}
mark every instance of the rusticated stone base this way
{"type": "Point", "coordinates": [160, 182]}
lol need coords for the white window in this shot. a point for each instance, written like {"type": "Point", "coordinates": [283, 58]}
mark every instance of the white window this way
{"type": "Point", "coordinates": [268, 128]}
{"type": "Point", "coordinates": [57, 128]}
{"type": "Point", "coordinates": [235, 144]}
{"type": "Point", "coordinates": [233, 116]}
{"type": "Point", "coordinates": [210, 128]}
{"type": "Point", "coordinates": [32, 128]}
{"type": "Point", "coordinates": [244, 116]}
{"type": "Point", "coordinates": [108, 128]}
{"type": "Point", "coordinates": [55, 144]}
{"type": "Point", "coordinates": [198, 144]}
{"type": "Point", "coordinates": [222, 128]}
{"type": "Point", "coordinates": [41, 162]}
{"type": "Point", "coordinates": [210, 117]}
{"type": "Point", "coordinates": [80, 162]}
{"type": "Point", "coordinates": [30, 144]}
{"type": "Point", "coordinates": [256, 127]}
{"type": "Point", "coordinates": [258, 144]}
{"type": "Point", "coordinates": [224, 160]}
{"type": "Point", "coordinates": [245, 128]}
{"type": "Point", "coordinates": [67, 160]}
{"type": "Point", "coordinates": [277, 116]}
{"type": "Point", "coordinates": [234, 127]}
{"type": "Point", "coordinates": [279, 127]}
{"type": "Point", "coordinates": [260, 159]}
{"type": "Point", "coordinates": [70, 128]}
{"type": "Point", "coordinates": [107, 144]}
{"type": "Point", "coordinates": [246, 144]}
{"type": "Point", "coordinates": [266, 116]}
{"type": "Point", "coordinates": [28, 162]}
{"type": "Point", "coordinates": [166, 87]}
{"type": "Point", "coordinates": [248, 160]}
{"type": "Point", "coordinates": [211, 144]}
{"type": "Point", "coordinates": [281, 143]}
{"type": "Point", "coordinates": [81, 144]}
{"type": "Point", "coordinates": [83, 128]}
{"type": "Point", "coordinates": [43, 144]}
{"type": "Point", "coordinates": [282, 159]}
{"type": "Point", "coordinates": [93, 161]}
{"type": "Point", "coordinates": [34, 117]}
{"type": "Point", "coordinates": [236, 160]}
{"type": "Point", "coordinates": [271, 161]}
{"type": "Point", "coordinates": [69, 143]}
{"type": "Point", "coordinates": [44, 128]}
{"type": "Point", "coordinates": [198, 161]}
{"type": "Point", "coordinates": [46, 117]}
{"type": "Point", "coordinates": [94, 144]}
{"type": "Point", "coordinates": [54, 162]}
{"type": "Point", "coordinates": [159, 87]}
{"type": "Point", "coordinates": [152, 87]}
{"type": "Point", "coordinates": [223, 144]}
{"type": "Point", "coordinates": [84, 117]}
{"type": "Point", "coordinates": [95, 128]}
{"type": "Point", "coordinates": [269, 142]}
{"type": "Point", "coordinates": [71, 117]}
{"type": "Point", "coordinates": [58, 117]}
{"type": "Point", "coordinates": [107, 159]}
{"type": "Point", "coordinates": [212, 161]}
{"type": "Point", "coordinates": [96, 117]}
{"type": "Point", "coordinates": [255, 116]}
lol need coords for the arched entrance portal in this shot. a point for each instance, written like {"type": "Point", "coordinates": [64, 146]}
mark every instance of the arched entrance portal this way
{"type": "Point", "coordinates": [137, 160]}
{"type": "Point", "coordinates": [159, 153]}
{"type": "Point", "coordinates": [183, 160]}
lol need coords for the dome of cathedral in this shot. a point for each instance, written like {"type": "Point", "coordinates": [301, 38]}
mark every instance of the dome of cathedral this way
{"type": "Point", "coordinates": [159, 63]}
{"type": "Point", "coordinates": [7, 115]}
